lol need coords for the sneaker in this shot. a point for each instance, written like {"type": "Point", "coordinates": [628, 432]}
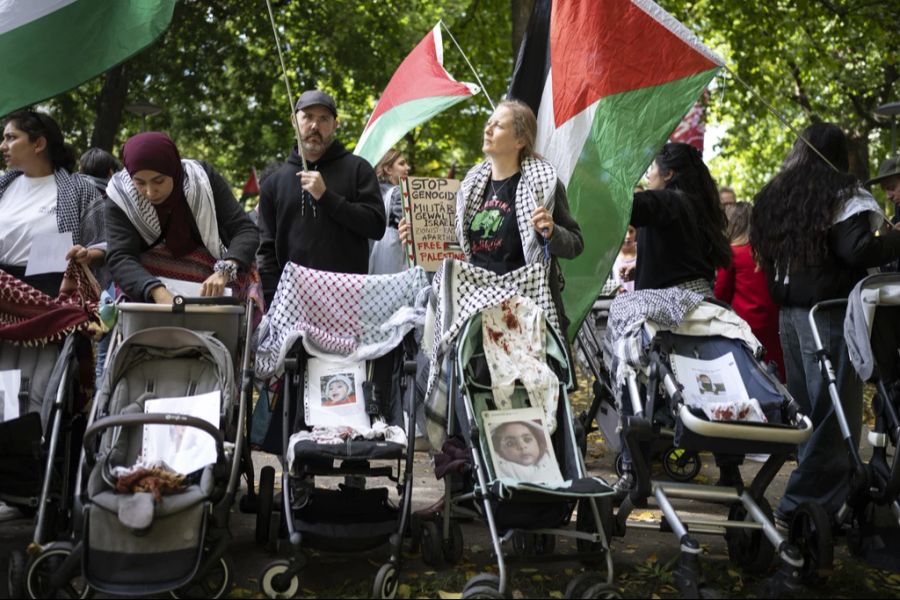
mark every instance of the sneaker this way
{"type": "Point", "coordinates": [8, 513]}
{"type": "Point", "coordinates": [624, 485]}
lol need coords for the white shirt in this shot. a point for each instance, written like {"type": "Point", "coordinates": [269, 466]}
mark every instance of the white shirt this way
{"type": "Point", "coordinates": [27, 208]}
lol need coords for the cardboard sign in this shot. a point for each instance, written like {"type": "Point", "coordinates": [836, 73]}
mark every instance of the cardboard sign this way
{"type": "Point", "coordinates": [429, 206]}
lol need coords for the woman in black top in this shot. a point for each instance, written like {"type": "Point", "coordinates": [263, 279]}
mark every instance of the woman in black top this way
{"type": "Point", "coordinates": [681, 228]}
{"type": "Point", "coordinates": [813, 232]}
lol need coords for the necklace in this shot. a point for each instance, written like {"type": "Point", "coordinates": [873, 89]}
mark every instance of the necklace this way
{"type": "Point", "coordinates": [497, 190]}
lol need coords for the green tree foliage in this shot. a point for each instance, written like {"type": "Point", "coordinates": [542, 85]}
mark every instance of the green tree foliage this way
{"type": "Point", "coordinates": [812, 60]}
{"type": "Point", "coordinates": [217, 75]}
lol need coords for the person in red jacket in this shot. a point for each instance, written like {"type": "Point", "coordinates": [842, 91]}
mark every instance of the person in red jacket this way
{"type": "Point", "coordinates": [743, 285]}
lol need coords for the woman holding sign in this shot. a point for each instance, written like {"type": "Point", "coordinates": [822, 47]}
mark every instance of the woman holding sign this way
{"type": "Point", "coordinates": [503, 202]}
{"type": "Point", "coordinates": [175, 218]}
{"type": "Point", "coordinates": [388, 255]}
{"type": "Point", "coordinates": [40, 199]}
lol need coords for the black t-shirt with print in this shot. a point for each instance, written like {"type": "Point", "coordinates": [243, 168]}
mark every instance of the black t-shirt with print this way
{"type": "Point", "coordinates": [494, 237]}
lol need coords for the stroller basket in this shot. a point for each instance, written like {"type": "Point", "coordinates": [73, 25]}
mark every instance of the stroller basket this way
{"type": "Point", "coordinates": [348, 520]}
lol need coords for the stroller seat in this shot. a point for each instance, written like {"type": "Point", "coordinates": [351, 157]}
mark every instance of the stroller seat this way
{"type": "Point", "coordinates": [350, 449]}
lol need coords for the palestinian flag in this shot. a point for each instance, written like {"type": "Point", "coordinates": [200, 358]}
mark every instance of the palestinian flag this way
{"type": "Point", "coordinates": [51, 46]}
{"type": "Point", "coordinates": [609, 81]}
{"type": "Point", "coordinates": [419, 89]}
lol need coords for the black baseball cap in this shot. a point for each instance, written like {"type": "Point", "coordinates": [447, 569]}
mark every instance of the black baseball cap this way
{"type": "Point", "coordinates": [313, 97]}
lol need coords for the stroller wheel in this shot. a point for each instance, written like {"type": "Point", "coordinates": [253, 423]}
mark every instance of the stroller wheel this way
{"type": "Point", "coordinates": [16, 572]}
{"type": "Point", "coordinates": [810, 532]}
{"type": "Point", "coordinates": [386, 582]}
{"type": "Point", "coordinates": [580, 584]}
{"type": "Point", "coordinates": [42, 569]}
{"type": "Point", "coordinates": [454, 546]}
{"type": "Point", "coordinates": [430, 542]}
{"type": "Point", "coordinates": [680, 464]}
{"type": "Point", "coordinates": [216, 583]}
{"type": "Point", "coordinates": [620, 464]}
{"type": "Point", "coordinates": [482, 592]}
{"type": "Point", "coordinates": [264, 501]}
{"type": "Point", "coordinates": [750, 549]}
{"type": "Point", "coordinates": [482, 580]}
{"type": "Point", "coordinates": [523, 543]}
{"type": "Point", "coordinates": [271, 581]}
{"type": "Point", "coordinates": [601, 590]}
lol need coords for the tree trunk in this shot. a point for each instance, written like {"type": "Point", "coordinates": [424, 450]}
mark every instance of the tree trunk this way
{"type": "Point", "coordinates": [858, 155]}
{"type": "Point", "coordinates": [521, 12]}
{"type": "Point", "coordinates": [110, 104]}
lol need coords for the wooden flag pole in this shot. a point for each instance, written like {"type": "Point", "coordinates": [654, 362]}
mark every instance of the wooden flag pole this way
{"type": "Point", "coordinates": [287, 85]}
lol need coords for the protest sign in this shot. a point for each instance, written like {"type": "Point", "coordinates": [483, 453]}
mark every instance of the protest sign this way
{"type": "Point", "coordinates": [429, 206]}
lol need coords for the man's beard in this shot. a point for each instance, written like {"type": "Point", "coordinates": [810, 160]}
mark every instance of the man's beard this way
{"type": "Point", "coordinates": [316, 143]}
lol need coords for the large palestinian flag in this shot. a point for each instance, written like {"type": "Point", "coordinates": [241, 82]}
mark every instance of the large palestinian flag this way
{"type": "Point", "coordinates": [50, 46]}
{"type": "Point", "coordinates": [609, 81]}
{"type": "Point", "coordinates": [418, 90]}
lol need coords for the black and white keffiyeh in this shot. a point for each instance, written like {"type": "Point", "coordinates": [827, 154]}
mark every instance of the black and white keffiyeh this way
{"type": "Point", "coordinates": [356, 317]}
{"type": "Point", "coordinates": [197, 192]}
{"type": "Point", "coordinates": [461, 291]}
{"type": "Point", "coordinates": [536, 188]}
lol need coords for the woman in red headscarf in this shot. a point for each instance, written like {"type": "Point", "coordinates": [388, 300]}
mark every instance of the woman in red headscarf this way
{"type": "Point", "coordinates": [174, 218]}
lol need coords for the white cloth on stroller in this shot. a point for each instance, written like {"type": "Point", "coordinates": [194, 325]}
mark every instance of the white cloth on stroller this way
{"type": "Point", "coordinates": [462, 291]}
{"type": "Point", "coordinates": [339, 435]}
{"type": "Point", "coordinates": [513, 335]}
{"type": "Point", "coordinates": [359, 317]}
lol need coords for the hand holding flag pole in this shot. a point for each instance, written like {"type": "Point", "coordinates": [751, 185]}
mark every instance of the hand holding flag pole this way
{"type": "Point", "coordinates": [287, 85]}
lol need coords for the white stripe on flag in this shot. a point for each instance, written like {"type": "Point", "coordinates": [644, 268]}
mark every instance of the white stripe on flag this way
{"type": "Point", "coordinates": [15, 13]}
{"type": "Point", "coordinates": [678, 29]}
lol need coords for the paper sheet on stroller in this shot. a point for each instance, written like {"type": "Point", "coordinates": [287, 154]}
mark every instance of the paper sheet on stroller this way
{"type": "Point", "coordinates": [188, 289]}
{"type": "Point", "coordinates": [10, 384]}
{"type": "Point", "coordinates": [519, 446]}
{"type": "Point", "coordinates": [184, 449]}
{"type": "Point", "coordinates": [334, 394]}
{"type": "Point", "coordinates": [715, 387]}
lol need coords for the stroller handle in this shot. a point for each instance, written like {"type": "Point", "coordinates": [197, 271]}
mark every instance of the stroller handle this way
{"type": "Point", "coordinates": [151, 419]}
{"type": "Point", "coordinates": [825, 304]}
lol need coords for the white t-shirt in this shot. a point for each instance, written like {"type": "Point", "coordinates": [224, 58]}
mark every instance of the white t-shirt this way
{"type": "Point", "coordinates": [28, 208]}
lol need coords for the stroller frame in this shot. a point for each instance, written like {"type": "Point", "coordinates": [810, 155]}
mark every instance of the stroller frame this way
{"type": "Point", "coordinates": [591, 530]}
{"type": "Point", "coordinates": [68, 554]}
{"type": "Point", "coordinates": [750, 522]}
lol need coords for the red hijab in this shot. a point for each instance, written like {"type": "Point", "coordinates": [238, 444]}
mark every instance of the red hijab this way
{"type": "Point", "coordinates": [155, 151]}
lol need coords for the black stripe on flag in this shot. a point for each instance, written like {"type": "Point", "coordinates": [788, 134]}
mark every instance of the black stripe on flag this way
{"type": "Point", "coordinates": [533, 62]}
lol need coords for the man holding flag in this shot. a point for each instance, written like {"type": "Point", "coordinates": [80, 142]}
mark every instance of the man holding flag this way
{"type": "Point", "coordinates": [321, 216]}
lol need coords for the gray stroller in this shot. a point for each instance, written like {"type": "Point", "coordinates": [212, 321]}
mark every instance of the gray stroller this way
{"type": "Point", "coordinates": [138, 539]}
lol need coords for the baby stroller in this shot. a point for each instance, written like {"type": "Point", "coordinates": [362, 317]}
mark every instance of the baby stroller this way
{"type": "Point", "coordinates": [665, 372]}
{"type": "Point", "coordinates": [45, 364]}
{"type": "Point", "coordinates": [524, 478]}
{"type": "Point", "coordinates": [872, 333]}
{"type": "Point", "coordinates": [143, 529]}
{"type": "Point", "coordinates": [345, 345]}
{"type": "Point", "coordinates": [679, 464]}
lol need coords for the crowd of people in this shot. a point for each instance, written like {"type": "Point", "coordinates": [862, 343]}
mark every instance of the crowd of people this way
{"type": "Point", "coordinates": [807, 237]}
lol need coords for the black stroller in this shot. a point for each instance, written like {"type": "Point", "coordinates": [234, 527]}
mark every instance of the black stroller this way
{"type": "Point", "coordinates": [327, 390]}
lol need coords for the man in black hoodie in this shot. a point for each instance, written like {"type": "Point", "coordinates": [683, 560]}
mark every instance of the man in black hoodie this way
{"type": "Point", "coordinates": [321, 218]}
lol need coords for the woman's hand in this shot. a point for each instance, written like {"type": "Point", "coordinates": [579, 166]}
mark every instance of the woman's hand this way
{"type": "Point", "coordinates": [542, 221]}
{"type": "Point", "coordinates": [214, 285]}
{"type": "Point", "coordinates": [403, 231]}
{"type": "Point", "coordinates": [86, 256]}
{"type": "Point", "coordinates": [161, 295]}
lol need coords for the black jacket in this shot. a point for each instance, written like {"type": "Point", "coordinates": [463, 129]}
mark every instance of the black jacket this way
{"type": "Point", "coordinates": [125, 244]}
{"type": "Point", "coordinates": [670, 250]}
{"type": "Point", "coordinates": [852, 249]}
{"type": "Point", "coordinates": [335, 238]}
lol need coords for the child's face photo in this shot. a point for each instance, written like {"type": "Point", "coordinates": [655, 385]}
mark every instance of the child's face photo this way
{"type": "Point", "coordinates": [337, 391]}
{"type": "Point", "coordinates": [518, 444]}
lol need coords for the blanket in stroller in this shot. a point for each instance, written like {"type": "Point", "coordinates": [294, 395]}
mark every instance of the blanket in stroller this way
{"type": "Point", "coordinates": [358, 317]}
{"type": "Point", "coordinates": [460, 291]}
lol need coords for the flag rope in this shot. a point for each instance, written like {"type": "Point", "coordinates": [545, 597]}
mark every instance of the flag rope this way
{"type": "Point", "coordinates": [287, 85]}
{"type": "Point", "coordinates": [466, 58]}
{"type": "Point", "coordinates": [780, 117]}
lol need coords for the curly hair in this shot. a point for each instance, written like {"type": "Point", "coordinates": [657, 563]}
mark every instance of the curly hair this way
{"type": "Point", "coordinates": [691, 177]}
{"type": "Point", "coordinates": [795, 210]}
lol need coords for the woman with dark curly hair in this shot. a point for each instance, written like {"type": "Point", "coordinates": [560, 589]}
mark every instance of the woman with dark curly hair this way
{"type": "Point", "coordinates": [812, 230]}
{"type": "Point", "coordinates": [681, 228]}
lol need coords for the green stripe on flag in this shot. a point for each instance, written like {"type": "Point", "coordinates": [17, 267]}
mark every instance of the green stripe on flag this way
{"type": "Point", "coordinates": [392, 125]}
{"type": "Point", "coordinates": [65, 48]}
{"type": "Point", "coordinates": [627, 132]}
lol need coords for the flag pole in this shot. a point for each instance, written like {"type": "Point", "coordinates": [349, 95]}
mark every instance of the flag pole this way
{"type": "Point", "coordinates": [466, 58]}
{"type": "Point", "coordinates": [780, 117]}
{"type": "Point", "coordinates": [287, 85]}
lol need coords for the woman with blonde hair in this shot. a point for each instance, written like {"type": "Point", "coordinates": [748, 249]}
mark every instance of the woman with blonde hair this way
{"type": "Point", "coordinates": [387, 254]}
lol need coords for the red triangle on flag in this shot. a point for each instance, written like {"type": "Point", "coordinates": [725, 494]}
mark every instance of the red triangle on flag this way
{"type": "Point", "coordinates": [251, 188]}
{"type": "Point", "coordinates": [603, 47]}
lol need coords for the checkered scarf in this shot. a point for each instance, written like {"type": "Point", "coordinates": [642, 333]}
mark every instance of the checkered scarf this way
{"type": "Point", "coordinates": [536, 188]}
{"type": "Point", "coordinates": [197, 192]}
{"type": "Point", "coordinates": [359, 317]}
{"type": "Point", "coordinates": [461, 291]}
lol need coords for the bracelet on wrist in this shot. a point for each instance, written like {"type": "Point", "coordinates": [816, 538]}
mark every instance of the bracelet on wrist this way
{"type": "Point", "coordinates": [227, 268]}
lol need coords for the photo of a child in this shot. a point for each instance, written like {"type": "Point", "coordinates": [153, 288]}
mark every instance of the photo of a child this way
{"type": "Point", "coordinates": [338, 389]}
{"type": "Point", "coordinates": [522, 451]}
{"type": "Point", "coordinates": [707, 386]}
